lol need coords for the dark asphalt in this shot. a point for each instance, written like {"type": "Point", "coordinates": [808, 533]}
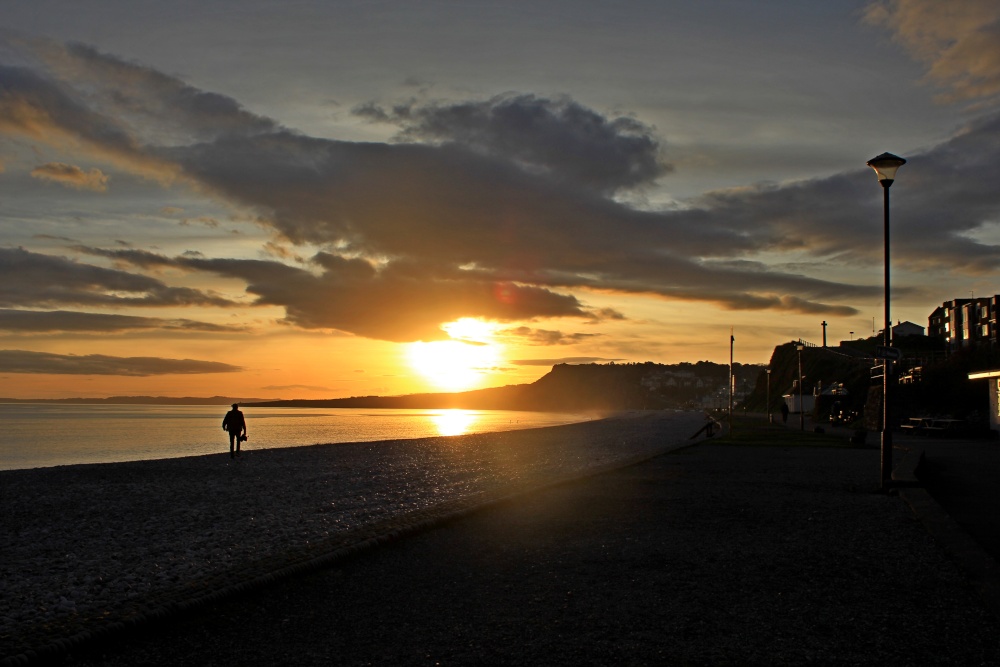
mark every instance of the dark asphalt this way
{"type": "Point", "coordinates": [963, 476]}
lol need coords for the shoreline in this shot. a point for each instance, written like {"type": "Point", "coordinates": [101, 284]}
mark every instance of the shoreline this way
{"type": "Point", "coordinates": [85, 543]}
{"type": "Point", "coordinates": [46, 435]}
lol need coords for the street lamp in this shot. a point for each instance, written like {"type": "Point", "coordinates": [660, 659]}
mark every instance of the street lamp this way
{"type": "Point", "coordinates": [885, 166]}
{"type": "Point", "coordinates": [767, 400]}
{"type": "Point", "coordinates": [802, 411]}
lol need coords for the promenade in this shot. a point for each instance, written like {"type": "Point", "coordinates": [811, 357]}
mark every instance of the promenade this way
{"type": "Point", "coordinates": [711, 554]}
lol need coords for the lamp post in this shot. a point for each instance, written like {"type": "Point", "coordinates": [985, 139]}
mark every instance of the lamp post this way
{"type": "Point", "coordinates": [802, 410]}
{"type": "Point", "coordinates": [885, 166]}
{"type": "Point", "coordinates": [767, 399]}
{"type": "Point", "coordinates": [732, 381]}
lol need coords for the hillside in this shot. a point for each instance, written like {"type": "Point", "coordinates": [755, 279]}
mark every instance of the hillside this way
{"type": "Point", "coordinates": [139, 400]}
{"type": "Point", "coordinates": [569, 388]}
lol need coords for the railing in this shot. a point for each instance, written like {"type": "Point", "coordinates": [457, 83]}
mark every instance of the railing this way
{"type": "Point", "coordinates": [878, 371]}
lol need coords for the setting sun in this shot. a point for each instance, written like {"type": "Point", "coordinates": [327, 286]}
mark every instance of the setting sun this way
{"type": "Point", "coordinates": [453, 422]}
{"type": "Point", "coordinates": [461, 363]}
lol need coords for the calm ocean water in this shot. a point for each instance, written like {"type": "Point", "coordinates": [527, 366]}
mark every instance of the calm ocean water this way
{"type": "Point", "coordinates": [34, 435]}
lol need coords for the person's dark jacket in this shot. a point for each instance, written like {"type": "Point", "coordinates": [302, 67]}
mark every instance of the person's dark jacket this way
{"type": "Point", "coordinates": [234, 422]}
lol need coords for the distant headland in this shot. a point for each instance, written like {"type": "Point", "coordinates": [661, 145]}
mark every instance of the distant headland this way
{"type": "Point", "coordinates": [140, 400]}
{"type": "Point", "coordinates": [565, 388]}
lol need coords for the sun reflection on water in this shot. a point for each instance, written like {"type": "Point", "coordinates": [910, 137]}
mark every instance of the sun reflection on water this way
{"type": "Point", "coordinates": [453, 422]}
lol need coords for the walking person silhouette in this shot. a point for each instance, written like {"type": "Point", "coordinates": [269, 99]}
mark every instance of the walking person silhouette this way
{"type": "Point", "coordinates": [236, 425]}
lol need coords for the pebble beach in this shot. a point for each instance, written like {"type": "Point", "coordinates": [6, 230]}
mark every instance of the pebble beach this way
{"type": "Point", "coordinates": [88, 544]}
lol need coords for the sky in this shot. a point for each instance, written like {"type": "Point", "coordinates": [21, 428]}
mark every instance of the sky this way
{"type": "Point", "coordinates": [317, 199]}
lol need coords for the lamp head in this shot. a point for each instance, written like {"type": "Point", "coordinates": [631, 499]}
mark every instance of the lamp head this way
{"type": "Point", "coordinates": [885, 166]}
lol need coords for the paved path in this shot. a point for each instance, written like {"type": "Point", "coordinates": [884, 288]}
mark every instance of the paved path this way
{"type": "Point", "coordinates": [963, 476]}
{"type": "Point", "coordinates": [709, 555]}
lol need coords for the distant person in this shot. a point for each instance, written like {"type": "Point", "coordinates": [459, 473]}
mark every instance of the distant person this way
{"type": "Point", "coordinates": [236, 425]}
{"type": "Point", "coordinates": [784, 412]}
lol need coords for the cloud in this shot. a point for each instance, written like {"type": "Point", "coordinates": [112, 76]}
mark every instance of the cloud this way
{"type": "Point", "coordinates": [206, 220]}
{"type": "Point", "coordinates": [143, 104]}
{"type": "Point", "coordinates": [23, 361]}
{"type": "Point", "coordinates": [941, 197]}
{"type": "Point", "coordinates": [37, 321]}
{"type": "Point", "coordinates": [504, 209]}
{"type": "Point", "coordinates": [399, 302]}
{"type": "Point", "coordinates": [559, 138]}
{"type": "Point", "coordinates": [958, 41]}
{"type": "Point", "coordinates": [51, 237]}
{"type": "Point", "coordinates": [36, 106]}
{"type": "Point", "coordinates": [545, 337]}
{"type": "Point", "coordinates": [73, 96]}
{"type": "Point", "coordinates": [447, 208]}
{"type": "Point", "coordinates": [34, 280]}
{"type": "Point", "coordinates": [72, 176]}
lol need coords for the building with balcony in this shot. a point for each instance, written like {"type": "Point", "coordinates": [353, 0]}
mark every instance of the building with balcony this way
{"type": "Point", "coordinates": [964, 322]}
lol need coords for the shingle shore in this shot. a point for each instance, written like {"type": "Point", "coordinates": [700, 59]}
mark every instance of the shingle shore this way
{"type": "Point", "coordinates": [88, 544]}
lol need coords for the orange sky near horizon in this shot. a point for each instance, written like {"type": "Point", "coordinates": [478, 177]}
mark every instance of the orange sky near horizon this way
{"type": "Point", "coordinates": [320, 201]}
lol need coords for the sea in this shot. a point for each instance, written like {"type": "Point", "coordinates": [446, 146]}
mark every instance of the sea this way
{"type": "Point", "coordinates": [38, 435]}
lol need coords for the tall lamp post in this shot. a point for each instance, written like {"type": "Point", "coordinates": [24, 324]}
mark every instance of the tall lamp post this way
{"type": "Point", "coordinates": [885, 166]}
{"type": "Point", "coordinates": [732, 381]}
{"type": "Point", "coordinates": [802, 410]}
{"type": "Point", "coordinates": [767, 400]}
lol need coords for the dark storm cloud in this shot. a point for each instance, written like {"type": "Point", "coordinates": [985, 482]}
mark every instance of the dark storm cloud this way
{"type": "Point", "coordinates": [50, 321]}
{"type": "Point", "coordinates": [505, 212]}
{"type": "Point", "coordinates": [23, 361]}
{"type": "Point", "coordinates": [560, 137]}
{"type": "Point", "coordinates": [35, 280]}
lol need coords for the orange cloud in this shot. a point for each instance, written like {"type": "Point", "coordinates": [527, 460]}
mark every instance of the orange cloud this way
{"type": "Point", "coordinates": [72, 176]}
{"type": "Point", "coordinates": [35, 106]}
{"type": "Point", "coordinates": [958, 41]}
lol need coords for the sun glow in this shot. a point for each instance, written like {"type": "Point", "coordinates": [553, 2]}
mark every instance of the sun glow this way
{"type": "Point", "coordinates": [461, 363]}
{"type": "Point", "coordinates": [453, 422]}
{"type": "Point", "coordinates": [469, 328]}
